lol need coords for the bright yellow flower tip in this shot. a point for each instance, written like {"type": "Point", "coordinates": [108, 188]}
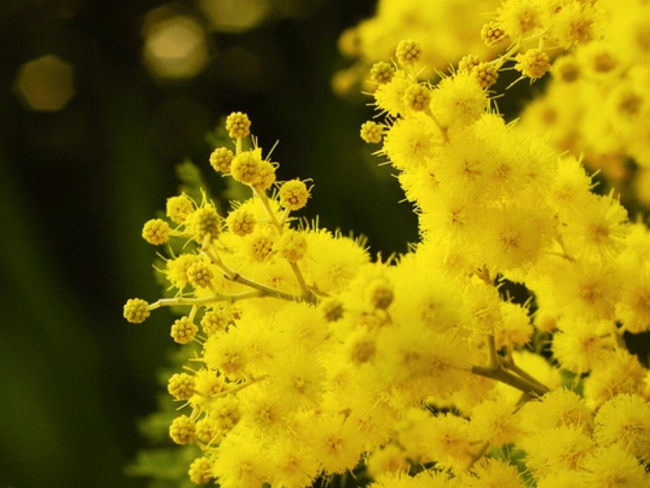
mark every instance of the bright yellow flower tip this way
{"type": "Point", "coordinates": [182, 430]}
{"type": "Point", "coordinates": [136, 310]}
{"type": "Point", "coordinates": [294, 195]}
{"type": "Point", "coordinates": [181, 386]}
{"type": "Point", "coordinates": [183, 330]}
{"type": "Point", "coordinates": [156, 232]}
{"type": "Point", "coordinates": [238, 125]}
{"type": "Point", "coordinates": [220, 159]}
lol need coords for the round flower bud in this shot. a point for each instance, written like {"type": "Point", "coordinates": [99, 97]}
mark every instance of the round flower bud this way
{"type": "Point", "coordinates": [183, 330]}
{"type": "Point", "coordinates": [381, 72]}
{"type": "Point", "coordinates": [179, 207]}
{"type": "Point", "coordinates": [486, 74]}
{"type": "Point", "coordinates": [294, 195]}
{"type": "Point", "coordinates": [136, 310]}
{"type": "Point", "coordinates": [260, 245]}
{"type": "Point", "coordinates": [241, 222]}
{"type": "Point", "coordinates": [292, 246]}
{"type": "Point", "coordinates": [246, 167]}
{"type": "Point", "coordinates": [467, 63]}
{"type": "Point", "coordinates": [238, 125]}
{"type": "Point", "coordinates": [492, 33]}
{"type": "Point", "coordinates": [214, 321]}
{"type": "Point", "coordinates": [371, 132]}
{"type": "Point", "coordinates": [408, 52]}
{"type": "Point", "coordinates": [220, 159]}
{"type": "Point", "coordinates": [266, 177]}
{"type": "Point", "coordinates": [156, 232]}
{"type": "Point", "coordinates": [417, 97]}
{"type": "Point", "coordinates": [182, 430]}
{"type": "Point", "coordinates": [204, 221]}
{"type": "Point", "coordinates": [200, 274]}
{"type": "Point", "coordinates": [201, 471]}
{"type": "Point", "coordinates": [181, 386]}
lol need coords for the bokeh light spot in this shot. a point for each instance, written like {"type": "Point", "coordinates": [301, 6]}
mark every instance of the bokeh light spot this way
{"type": "Point", "coordinates": [44, 84]}
{"type": "Point", "coordinates": [234, 15]}
{"type": "Point", "coordinates": [175, 48]}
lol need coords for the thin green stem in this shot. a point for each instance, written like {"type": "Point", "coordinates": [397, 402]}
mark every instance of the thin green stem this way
{"type": "Point", "coordinates": [509, 378]}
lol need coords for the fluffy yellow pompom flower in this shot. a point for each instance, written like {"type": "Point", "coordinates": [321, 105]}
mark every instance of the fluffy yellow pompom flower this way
{"type": "Point", "coordinates": [136, 310]}
{"type": "Point", "coordinates": [625, 420]}
{"type": "Point", "coordinates": [613, 467]}
{"type": "Point", "coordinates": [156, 232]}
{"type": "Point", "coordinates": [458, 100]}
{"type": "Point", "coordinates": [179, 207]}
{"type": "Point", "coordinates": [292, 245]}
{"type": "Point", "coordinates": [176, 269]}
{"type": "Point", "coordinates": [520, 18]}
{"type": "Point", "coordinates": [293, 195]}
{"type": "Point", "coordinates": [204, 222]}
{"type": "Point", "coordinates": [246, 167]}
{"type": "Point", "coordinates": [533, 64]}
{"type": "Point", "coordinates": [494, 421]}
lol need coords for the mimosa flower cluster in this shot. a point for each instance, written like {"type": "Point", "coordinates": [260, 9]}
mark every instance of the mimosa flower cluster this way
{"type": "Point", "coordinates": [314, 360]}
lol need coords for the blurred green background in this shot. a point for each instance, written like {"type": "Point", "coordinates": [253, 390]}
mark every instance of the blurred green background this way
{"type": "Point", "coordinates": [99, 101]}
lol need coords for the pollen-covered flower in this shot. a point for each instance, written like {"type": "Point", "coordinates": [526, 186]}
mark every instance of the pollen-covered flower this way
{"type": "Point", "coordinates": [179, 207]}
{"type": "Point", "coordinates": [533, 64]}
{"type": "Point", "coordinates": [293, 194]}
{"type": "Point", "coordinates": [204, 222]}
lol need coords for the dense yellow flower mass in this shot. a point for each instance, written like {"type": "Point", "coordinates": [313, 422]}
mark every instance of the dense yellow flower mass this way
{"type": "Point", "coordinates": [422, 370]}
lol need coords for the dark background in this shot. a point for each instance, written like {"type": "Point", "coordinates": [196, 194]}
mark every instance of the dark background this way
{"type": "Point", "coordinates": [77, 184]}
